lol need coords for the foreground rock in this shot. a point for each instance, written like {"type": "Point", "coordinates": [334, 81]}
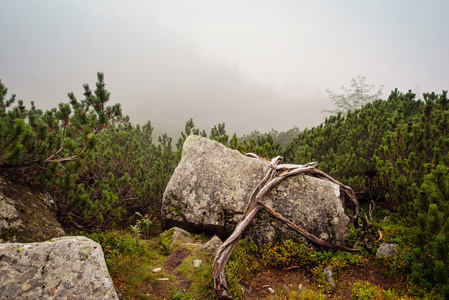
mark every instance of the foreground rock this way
{"type": "Point", "coordinates": [24, 216]}
{"type": "Point", "coordinates": [212, 184]}
{"type": "Point", "coordinates": [62, 268]}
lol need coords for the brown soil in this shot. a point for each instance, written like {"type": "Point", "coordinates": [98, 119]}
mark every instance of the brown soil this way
{"type": "Point", "coordinates": [278, 280]}
{"type": "Point", "coordinates": [375, 273]}
{"type": "Point", "coordinates": [284, 281]}
{"type": "Point", "coordinates": [172, 263]}
{"type": "Point", "coordinates": [175, 259]}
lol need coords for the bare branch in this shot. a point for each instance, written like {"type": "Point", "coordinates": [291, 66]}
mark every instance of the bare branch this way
{"type": "Point", "coordinates": [275, 175]}
{"type": "Point", "coordinates": [224, 253]}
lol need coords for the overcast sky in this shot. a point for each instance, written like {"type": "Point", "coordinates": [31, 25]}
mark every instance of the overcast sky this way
{"type": "Point", "coordinates": [250, 64]}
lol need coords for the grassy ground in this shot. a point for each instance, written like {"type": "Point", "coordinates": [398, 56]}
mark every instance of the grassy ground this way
{"type": "Point", "coordinates": [279, 272]}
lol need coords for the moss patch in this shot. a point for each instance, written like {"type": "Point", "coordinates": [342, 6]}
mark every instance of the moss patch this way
{"type": "Point", "coordinates": [8, 233]}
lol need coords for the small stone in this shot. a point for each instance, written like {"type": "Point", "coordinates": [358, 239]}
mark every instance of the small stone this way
{"type": "Point", "coordinates": [157, 270]}
{"type": "Point", "coordinates": [300, 287]}
{"type": "Point", "coordinates": [197, 263]}
{"type": "Point", "coordinates": [178, 235]}
{"type": "Point", "coordinates": [271, 291]}
{"type": "Point", "coordinates": [212, 245]}
{"type": "Point", "coordinates": [387, 250]}
{"type": "Point", "coordinates": [328, 272]}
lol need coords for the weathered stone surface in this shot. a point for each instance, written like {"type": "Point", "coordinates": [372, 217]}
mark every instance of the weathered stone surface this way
{"type": "Point", "coordinates": [212, 184]}
{"type": "Point", "coordinates": [210, 187]}
{"type": "Point", "coordinates": [62, 268]}
{"type": "Point", "coordinates": [387, 250]}
{"type": "Point", "coordinates": [24, 216]}
{"type": "Point", "coordinates": [175, 235]}
{"type": "Point", "coordinates": [309, 202]}
{"type": "Point", "coordinates": [212, 245]}
{"type": "Point", "coordinates": [329, 275]}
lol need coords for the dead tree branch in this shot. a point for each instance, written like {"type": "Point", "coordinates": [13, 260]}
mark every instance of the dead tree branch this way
{"type": "Point", "coordinates": [275, 175]}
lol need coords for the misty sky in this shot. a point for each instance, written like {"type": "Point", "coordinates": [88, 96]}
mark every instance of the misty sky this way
{"type": "Point", "coordinates": [250, 64]}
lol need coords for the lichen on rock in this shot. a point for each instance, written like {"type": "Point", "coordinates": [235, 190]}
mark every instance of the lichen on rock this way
{"type": "Point", "coordinates": [212, 185]}
{"type": "Point", "coordinates": [68, 267]}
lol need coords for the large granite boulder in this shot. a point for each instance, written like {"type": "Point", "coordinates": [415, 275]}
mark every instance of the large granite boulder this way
{"type": "Point", "coordinates": [211, 186]}
{"type": "Point", "coordinates": [62, 268]}
{"type": "Point", "coordinates": [25, 216]}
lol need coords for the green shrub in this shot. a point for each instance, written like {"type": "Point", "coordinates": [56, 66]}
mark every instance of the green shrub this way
{"type": "Point", "coordinates": [397, 151]}
{"type": "Point", "coordinates": [306, 295]}
{"type": "Point", "coordinates": [296, 254]}
{"type": "Point", "coordinates": [287, 254]}
{"type": "Point", "coordinates": [242, 267]}
{"type": "Point", "coordinates": [117, 243]}
{"type": "Point", "coordinates": [366, 291]}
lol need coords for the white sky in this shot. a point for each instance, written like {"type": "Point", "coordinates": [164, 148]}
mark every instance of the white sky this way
{"type": "Point", "coordinates": [251, 64]}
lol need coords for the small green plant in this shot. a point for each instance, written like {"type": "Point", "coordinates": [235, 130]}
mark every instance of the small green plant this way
{"type": "Point", "coordinates": [363, 290]}
{"type": "Point", "coordinates": [181, 296]}
{"type": "Point", "coordinates": [142, 227]}
{"type": "Point", "coordinates": [136, 233]}
{"type": "Point", "coordinates": [144, 224]}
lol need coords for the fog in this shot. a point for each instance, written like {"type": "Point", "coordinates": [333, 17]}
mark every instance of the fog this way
{"type": "Point", "coordinates": [249, 64]}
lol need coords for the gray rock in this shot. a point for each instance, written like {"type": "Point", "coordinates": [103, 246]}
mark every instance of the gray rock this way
{"type": "Point", "coordinates": [329, 275]}
{"type": "Point", "coordinates": [387, 250]}
{"type": "Point", "coordinates": [68, 267]}
{"type": "Point", "coordinates": [175, 235]}
{"type": "Point", "coordinates": [181, 235]}
{"type": "Point", "coordinates": [212, 245]}
{"type": "Point", "coordinates": [24, 216]}
{"type": "Point", "coordinates": [210, 188]}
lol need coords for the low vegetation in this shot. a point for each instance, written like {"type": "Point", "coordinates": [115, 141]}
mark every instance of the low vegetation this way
{"type": "Point", "coordinates": [290, 270]}
{"type": "Point", "coordinates": [107, 177]}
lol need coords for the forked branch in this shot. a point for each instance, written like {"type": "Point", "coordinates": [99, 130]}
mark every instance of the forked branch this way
{"type": "Point", "coordinates": [275, 175]}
